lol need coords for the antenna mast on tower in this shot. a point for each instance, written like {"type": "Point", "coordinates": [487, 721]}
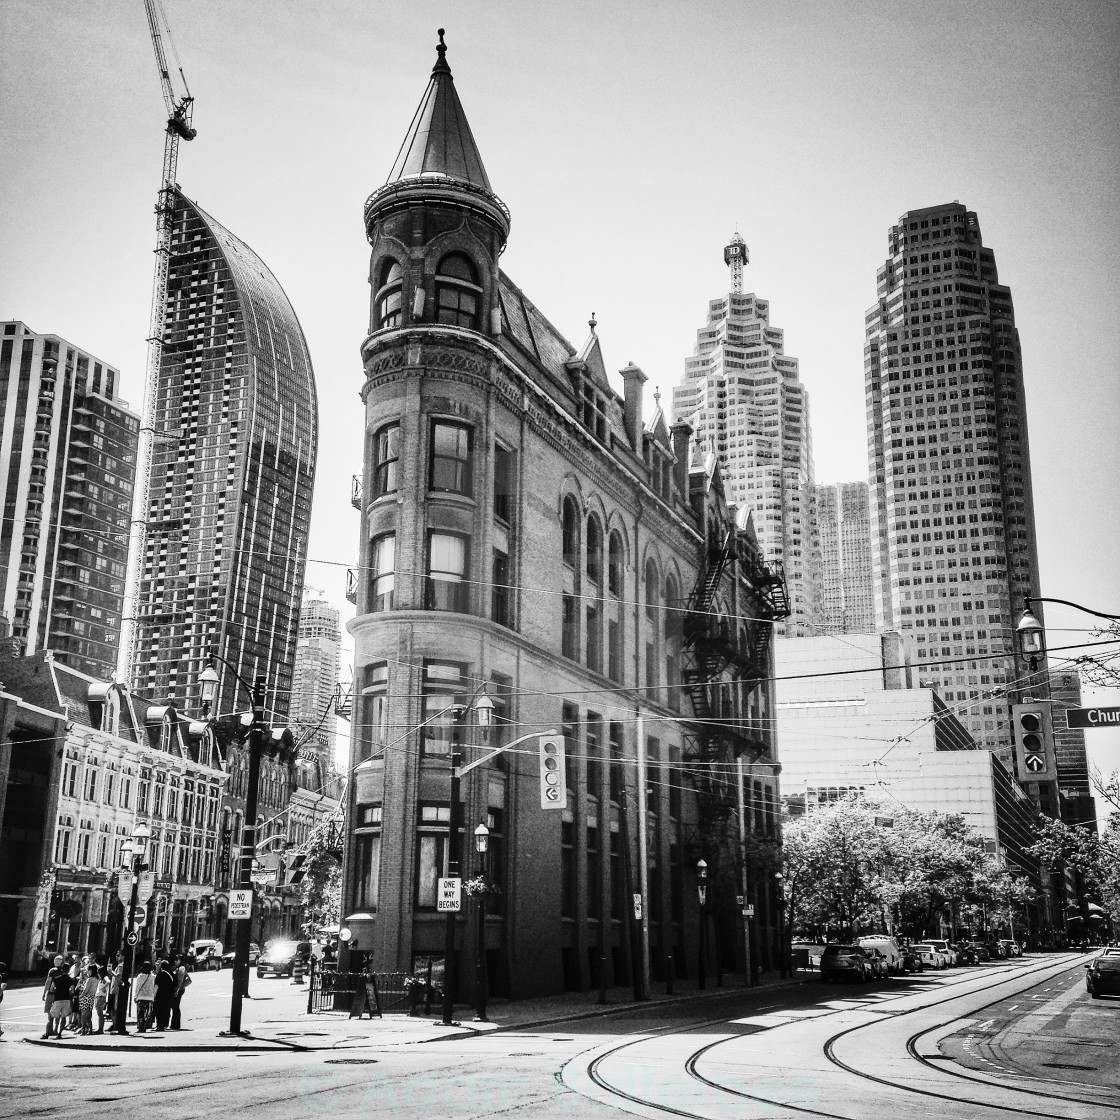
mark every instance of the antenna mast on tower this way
{"type": "Point", "coordinates": [735, 255]}
{"type": "Point", "coordinates": [179, 109]}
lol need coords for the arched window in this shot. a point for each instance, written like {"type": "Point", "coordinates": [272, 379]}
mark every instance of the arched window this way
{"type": "Point", "coordinates": [615, 564]}
{"type": "Point", "coordinates": [653, 629]}
{"type": "Point", "coordinates": [594, 550]}
{"type": "Point", "coordinates": [389, 295]}
{"type": "Point", "coordinates": [673, 629]}
{"type": "Point", "coordinates": [570, 532]}
{"type": "Point", "coordinates": [458, 294]}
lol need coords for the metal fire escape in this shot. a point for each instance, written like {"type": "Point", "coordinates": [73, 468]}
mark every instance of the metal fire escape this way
{"type": "Point", "coordinates": [718, 651]}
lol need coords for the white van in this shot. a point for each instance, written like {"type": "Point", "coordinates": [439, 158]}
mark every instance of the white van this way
{"type": "Point", "coordinates": [204, 953]}
{"type": "Point", "coordinates": [886, 945]}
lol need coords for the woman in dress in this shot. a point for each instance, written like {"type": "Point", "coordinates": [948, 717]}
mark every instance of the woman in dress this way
{"type": "Point", "coordinates": [86, 995]}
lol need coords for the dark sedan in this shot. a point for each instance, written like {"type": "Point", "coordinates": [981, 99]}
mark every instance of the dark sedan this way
{"type": "Point", "coordinates": [846, 962]}
{"type": "Point", "coordinates": [1102, 977]}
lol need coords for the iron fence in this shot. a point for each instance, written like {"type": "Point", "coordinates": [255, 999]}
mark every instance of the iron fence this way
{"type": "Point", "coordinates": [330, 990]}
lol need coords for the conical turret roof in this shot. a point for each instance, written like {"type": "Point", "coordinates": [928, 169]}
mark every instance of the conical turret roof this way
{"type": "Point", "coordinates": [439, 140]}
{"type": "Point", "coordinates": [438, 163]}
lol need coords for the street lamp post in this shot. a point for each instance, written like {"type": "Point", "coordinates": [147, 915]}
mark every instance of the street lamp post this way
{"type": "Point", "coordinates": [783, 953]}
{"type": "Point", "coordinates": [482, 706]}
{"type": "Point", "coordinates": [208, 680]}
{"type": "Point", "coordinates": [1030, 634]}
{"type": "Point", "coordinates": [133, 851]}
{"type": "Point", "coordinates": [482, 980]}
{"type": "Point", "coordinates": [702, 894]}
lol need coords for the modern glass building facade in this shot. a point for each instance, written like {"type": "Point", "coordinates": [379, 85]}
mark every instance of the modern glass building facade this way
{"type": "Point", "coordinates": [67, 467]}
{"type": "Point", "coordinates": [742, 396]}
{"type": "Point", "coordinates": [952, 513]}
{"type": "Point", "coordinates": [847, 602]}
{"type": "Point", "coordinates": [233, 467]}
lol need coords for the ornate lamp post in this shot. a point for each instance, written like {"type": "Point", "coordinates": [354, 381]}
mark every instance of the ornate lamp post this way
{"type": "Point", "coordinates": [133, 852]}
{"type": "Point", "coordinates": [483, 707]}
{"type": "Point", "coordinates": [208, 684]}
{"type": "Point", "coordinates": [702, 894]}
{"type": "Point", "coordinates": [482, 980]}
{"type": "Point", "coordinates": [1032, 636]}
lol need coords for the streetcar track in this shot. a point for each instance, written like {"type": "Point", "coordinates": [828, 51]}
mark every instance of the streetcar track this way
{"type": "Point", "coordinates": [598, 1078]}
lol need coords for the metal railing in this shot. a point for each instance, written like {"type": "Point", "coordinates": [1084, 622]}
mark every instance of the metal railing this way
{"type": "Point", "coordinates": [330, 990]}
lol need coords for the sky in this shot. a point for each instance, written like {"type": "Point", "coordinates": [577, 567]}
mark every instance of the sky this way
{"type": "Point", "coordinates": [629, 140]}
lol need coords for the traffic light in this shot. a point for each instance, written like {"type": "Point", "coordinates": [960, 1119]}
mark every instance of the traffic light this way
{"type": "Point", "coordinates": [1034, 742]}
{"type": "Point", "coordinates": [554, 787]}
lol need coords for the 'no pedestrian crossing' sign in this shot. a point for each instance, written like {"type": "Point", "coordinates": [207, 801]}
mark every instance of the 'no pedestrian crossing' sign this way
{"type": "Point", "coordinates": [449, 898]}
{"type": "Point", "coordinates": [240, 905]}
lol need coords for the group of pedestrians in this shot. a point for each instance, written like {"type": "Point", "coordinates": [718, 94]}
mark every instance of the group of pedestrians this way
{"type": "Point", "coordinates": [76, 992]}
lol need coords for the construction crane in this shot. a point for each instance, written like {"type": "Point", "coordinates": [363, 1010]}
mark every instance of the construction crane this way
{"type": "Point", "coordinates": [180, 109]}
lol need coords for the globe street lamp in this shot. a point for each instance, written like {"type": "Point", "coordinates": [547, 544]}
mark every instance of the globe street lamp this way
{"type": "Point", "coordinates": [783, 948]}
{"type": "Point", "coordinates": [702, 894]}
{"type": "Point", "coordinates": [208, 687]}
{"type": "Point", "coordinates": [133, 851]}
{"type": "Point", "coordinates": [481, 843]}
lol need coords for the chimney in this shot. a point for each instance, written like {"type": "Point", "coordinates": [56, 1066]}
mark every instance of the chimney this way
{"type": "Point", "coordinates": [634, 379]}
{"type": "Point", "coordinates": [679, 433]}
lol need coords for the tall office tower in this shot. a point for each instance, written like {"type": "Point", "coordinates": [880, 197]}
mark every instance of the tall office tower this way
{"type": "Point", "coordinates": [843, 520]}
{"type": "Point", "coordinates": [951, 507]}
{"type": "Point", "coordinates": [316, 674]}
{"type": "Point", "coordinates": [67, 466]}
{"type": "Point", "coordinates": [1078, 805]}
{"type": "Point", "coordinates": [742, 396]}
{"type": "Point", "coordinates": [233, 466]}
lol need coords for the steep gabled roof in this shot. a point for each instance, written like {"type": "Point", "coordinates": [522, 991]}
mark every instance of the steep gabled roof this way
{"type": "Point", "coordinates": [439, 140]}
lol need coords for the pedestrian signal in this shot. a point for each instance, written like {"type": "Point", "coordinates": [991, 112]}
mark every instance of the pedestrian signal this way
{"type": "Point", "coordinates": [554, 788]}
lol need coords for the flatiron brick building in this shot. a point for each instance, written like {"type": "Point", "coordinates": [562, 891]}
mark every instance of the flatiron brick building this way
{"type": "Point", "coordinates": [527, 536]}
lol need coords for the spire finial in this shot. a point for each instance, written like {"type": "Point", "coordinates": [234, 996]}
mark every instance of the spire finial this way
{"type": "Point", "coordinates": [441, 66]}
{"type": "Point", "coordinates": [657, 396]}
{"type": "Point", "coordinates": [592, 323]}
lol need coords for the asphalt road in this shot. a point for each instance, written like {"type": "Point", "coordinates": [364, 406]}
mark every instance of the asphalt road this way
{"type": "Point", "coordinates": [888, 1052]}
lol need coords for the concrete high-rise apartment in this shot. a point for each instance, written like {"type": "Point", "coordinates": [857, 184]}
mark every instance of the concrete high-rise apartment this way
{"type": "Point", "coordinates": [233, 466]}
{"type": "Point", "coordinates": [844, 524]}
{"type": "Point", "coordinates": [67, 466]}
{"type": "Point", "coordinates": [951, 507]}
{"type": "Point", "coordinates": [743, 398]}
{"type": "Point", "coordinates": [318, 659]}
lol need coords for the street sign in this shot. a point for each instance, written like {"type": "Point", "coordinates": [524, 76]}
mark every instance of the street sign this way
{"type": "Point", "coordinates": [240, 905]}
{"type": "Point", "coordinates": [748, 911]}
{"type": "Point", "coordinates": [449, 896]}
{"type": "Point", "coordinates": [1092, 717]}
{"type": "Point", "coordinates": [163, 885]}
{"type": "Point", "coordinates": [139, 917]}
{"type": "Point", "coordinates": [133, 938]}
{"type": "Point", "coordinates": [1035, 763]}
{"type": "Point", "coordinates": [637, 907]}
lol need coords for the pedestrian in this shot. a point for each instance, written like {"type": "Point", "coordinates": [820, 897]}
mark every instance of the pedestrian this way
{"type": "Point", "coordinates": [101, 998]}
{"type": "Point", "coordinates": [3, 987]}
{"type": "Point", "coordinates": [182, 982]}
{"type": "Point", "coordinates": [57, 997]}
{"type": "Point", "coordinates": [143, 995]}
{"type": "Point", "coordinates": [48, 994]}
{"type": "Point", "coordinates": [115, 993]}
{"type": "Point", "coordinates": [165, 994]}
{"type": "Point", "coordinates": [77, 974]}
{"type": "Point", "coordinates": [87, 993]}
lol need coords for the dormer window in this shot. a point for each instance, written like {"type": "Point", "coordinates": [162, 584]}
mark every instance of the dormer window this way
{"type": "Point", "coordinates": [390, 296]}
{"type": "Point", "coordinates": [458, 294]}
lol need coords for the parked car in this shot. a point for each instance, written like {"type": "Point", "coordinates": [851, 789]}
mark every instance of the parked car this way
{"type": "Point", "coordinates": [230, 955]}
{"type": "Point", "coordinates": [808, 951]}
{"type": "Point", "coordinates": [279, 957]}
{"type": "Point", "coordinates": [879, 963]}
{"type": "Point", "coordinates": [1102, 976]}
{"type": "Point", "coordinates": [1011, 948]}
{"type": "Point", "coordinates": [886, 945]}
{"type": "Point", "coordinates": [945, 949]}
{"type": "Point", "coordinates": [204, 953]}
{"type": "Point", "coordinates": [911, 959]}
{"type": "Point", "coordinates": [966, 954]}
{"type": "Point", "coordinates": [981, 951]}
{"type": "Point", "coordinates": [846, 962]}
{"type": "Point", "coordinates": [996, 950]}
{"type": "Point", "coordinates": [932, 956]}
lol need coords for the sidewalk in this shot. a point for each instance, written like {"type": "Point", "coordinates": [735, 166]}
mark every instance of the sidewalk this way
{"type": "Point", "coordinates": [276, 1021]}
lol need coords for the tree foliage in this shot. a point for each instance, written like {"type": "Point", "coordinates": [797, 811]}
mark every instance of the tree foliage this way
{"type": "Point", "coordinates": [849, 867]}
{"type": "Point", "coordinates": [321, 886]}
{"type": "Point", "coordinates": [1096, 858]}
